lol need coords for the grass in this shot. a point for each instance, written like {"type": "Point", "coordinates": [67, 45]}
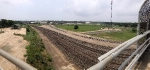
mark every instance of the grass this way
{"type": "Point", "coordinates": [36, 53]}
{"type": "Point", "coordinates": [119, 36]}
{"type": "Point", "coordinates": [82, 28]}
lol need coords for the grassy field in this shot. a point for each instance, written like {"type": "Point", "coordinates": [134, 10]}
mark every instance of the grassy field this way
{"type": "Point", "coordinates": [120, 36]}
{"type": "Point", "coordinates": [123, 35]}
{"type": "Point", "coordinates": [82, 28]}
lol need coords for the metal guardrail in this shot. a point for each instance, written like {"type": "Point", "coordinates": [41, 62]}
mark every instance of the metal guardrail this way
{"type": "Point", "coordinates": [132, 63]}
{"type": "Point", "coordinates": [113, 50]}
{"type": "Point", "coordinates": [19, 63]}
{"type": "Point", "coordinates": [135, 52]}
{"type": "Point", "coordinates": [106, 58]}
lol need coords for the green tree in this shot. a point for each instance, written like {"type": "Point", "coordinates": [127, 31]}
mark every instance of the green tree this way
{"type": "Point", "coordinates": [6, 23]}
{"type": "Point", "coordinates": [10, 23]}
{"type": "Point", "coordinates": [134, 30]}
{"type": "Point", "coordinates": [3, 22]}
{"type": "Point", "coordinates": [76, 27]}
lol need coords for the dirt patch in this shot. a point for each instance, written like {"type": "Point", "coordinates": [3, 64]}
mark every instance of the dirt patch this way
{"type": "Point", "coordinates": [102, 30]}
{"type": "Point", "coordinates": [71, 34]}
{"type": "Point", "coordinates": [6, 48]}
{"type": "Point", "coordinates": [21, 31]}
{"type": "Point", "coordinates": [15, 45]}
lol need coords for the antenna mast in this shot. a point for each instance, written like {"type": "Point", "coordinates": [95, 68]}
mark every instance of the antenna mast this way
{"type": "Point", "coordinates": [111, 12]}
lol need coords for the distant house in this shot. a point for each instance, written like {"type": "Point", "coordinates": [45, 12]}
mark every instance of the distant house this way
{"type": "Point", "coordinates": [43, 22]}
{"type": "Point", "coordinates": [70, 23]}
{"type": "Point", "coordinates": [87, 22]}
{"type": "Point", "coordinates": [79, 23]}
{"type": "Point", "coordinates": [16, 26]}
{"type": "Point", "coordinates": [32, 22]}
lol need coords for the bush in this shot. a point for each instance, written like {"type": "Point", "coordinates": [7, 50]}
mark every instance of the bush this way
{"type": "Point", "coordinates": [76, 27]}
{"type": "Point", "coordinates": [134, 30]}
{"type": "Point", "coordinates": [27, 29]}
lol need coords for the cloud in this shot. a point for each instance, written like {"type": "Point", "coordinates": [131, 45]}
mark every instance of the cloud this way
{"type": "Point", "coordinates": [102, 8]}
{"type": "Point", "coordinates": [127, 7]}
{"type": "Point", "coordinates": [16, 2]}
{"type": "Point", "coordinates": [88, 10]}
{"type": "Point", "coordinates": [85, 7]}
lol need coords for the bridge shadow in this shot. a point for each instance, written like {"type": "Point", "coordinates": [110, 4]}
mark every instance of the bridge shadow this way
{"type": "Point", "coordinates": [144, 61]}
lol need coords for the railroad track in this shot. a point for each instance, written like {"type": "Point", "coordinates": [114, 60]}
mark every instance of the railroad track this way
{"type": "Point", "coordinates": [82, 53]}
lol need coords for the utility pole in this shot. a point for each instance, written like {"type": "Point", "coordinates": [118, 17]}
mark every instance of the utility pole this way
{"type": "Point", "coordinates": [111, 12]}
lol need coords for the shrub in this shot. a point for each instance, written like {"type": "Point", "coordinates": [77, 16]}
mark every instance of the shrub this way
{"type": "Point", "coordinates": [134, 30]}
{"type": "Point", "coordinates": [76, 27]}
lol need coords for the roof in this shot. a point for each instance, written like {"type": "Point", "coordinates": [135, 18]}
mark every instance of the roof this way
{"type": "Point", "coordinates": [17, 24]}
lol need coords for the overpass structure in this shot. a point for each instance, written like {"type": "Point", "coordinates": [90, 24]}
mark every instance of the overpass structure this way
{"type": "Point", "coordinates": [142, 39]}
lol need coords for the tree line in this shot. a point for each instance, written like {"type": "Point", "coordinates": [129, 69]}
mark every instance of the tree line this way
{"type": "Point", "coordinates": [8, 23]}
{"type": "Point", "coordinates": [121, 24]}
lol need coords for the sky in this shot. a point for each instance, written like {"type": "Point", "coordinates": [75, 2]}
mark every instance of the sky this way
{"type": "Point", "coordinates": [71, 10]}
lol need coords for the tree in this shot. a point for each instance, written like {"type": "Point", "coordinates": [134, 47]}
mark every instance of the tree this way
{"type": "Point", "coordinates": [76, 27]}
{"type": "Point", "coordinates": [10, 23]}
{"type": "Point", "coordinates": [134, 30]}
{"type": "Point", "coordinates": [6, 23]}
{"type": "Point", "coordinates": [3, 22]}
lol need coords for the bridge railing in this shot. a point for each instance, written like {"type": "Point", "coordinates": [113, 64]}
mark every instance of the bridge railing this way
{"type": "Point", "coordinates": [19, 63]}
{"type": "Point", "coordinates": [107, 57]}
